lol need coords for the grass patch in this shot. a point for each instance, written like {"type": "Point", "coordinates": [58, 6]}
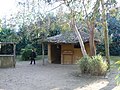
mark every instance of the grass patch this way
{"type": "Point", "coordinates": [18, 57]}
{"type": "Point", "coordinates": [39, 57]}
{"type": "Point", "coordinates": [116, 64]}
{"type": "Point", "coordinates": [115, 58]}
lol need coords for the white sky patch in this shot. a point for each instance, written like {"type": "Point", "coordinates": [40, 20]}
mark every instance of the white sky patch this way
{"type": "Point", "coordinates": [6, 7]}
{"type": "Point", "coordinates": [118, 4]}
{"type": "Point", "coordinates": [9, 6]}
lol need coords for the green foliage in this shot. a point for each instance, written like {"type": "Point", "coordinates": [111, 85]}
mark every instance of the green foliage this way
{"type": "Point", "coordinates": [115, 58]}
{"type": "Point", "coordinates": [117, 78]}
{"type": "Point", "coordinates": [98, 66]}
{"type": "Point", "coordinates": [65, 27]}
{"type": "Point", "coordinates": [22, 44]}
{"type": "Point", "coordinates": [54, 31]}
{"type": "Point", "coordinates": [100, 49]}
{"type": "Point", "coordinates": [29, 46]}
{"type": "Point", "coordinates": [114, 31]}
{"type": "Point", "coordinates": [113, 26]}
{"type": "Point", "coordinates": [85, 64]}
{"type": "Point", "coordinates": [114, 37]}
{"type": "Point", "coordinates": [0, 29]}
{"type": "Point", "coordinates": [8, 35]}
{"type": "Point", "coordinates": [115, 49]}
{"type": "Point", "coordinates": [26, 52]}
{"type": "Point", "coordinates": [93, 65]}
{"type": "Point", "coordinates": [117, 64]}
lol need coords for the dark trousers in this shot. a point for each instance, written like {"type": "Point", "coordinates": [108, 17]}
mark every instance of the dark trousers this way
{"type": "Point", "coordinates": [32, 60]}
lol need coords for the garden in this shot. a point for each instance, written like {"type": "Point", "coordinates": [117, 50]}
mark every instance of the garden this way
{"type": "Point", "coordinates": [76, 42]}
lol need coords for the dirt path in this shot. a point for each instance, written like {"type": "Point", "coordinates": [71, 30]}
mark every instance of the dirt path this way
{"type": "Point", "coordinates": [51, 77]}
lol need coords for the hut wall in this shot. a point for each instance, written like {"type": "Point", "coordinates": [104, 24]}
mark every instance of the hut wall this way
{"type": "Point", "coordinates": [7, 61]}
{"type": "Point", "coordinates": [87, 47]}
{"type": "Point", "coordinates": [7, 58]}
{"type": "Point", "coordinates": [49, 53]}
{"type": "Point", "coordinates": [67, 51]}
{"type": "Point", "coordinates": [69, 54]}
{"type": "Point", "coordinates": [66, 47]}
{"type": "Point", "coordinates": [77, 54]}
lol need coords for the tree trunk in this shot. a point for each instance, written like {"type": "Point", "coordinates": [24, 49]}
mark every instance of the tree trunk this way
{"type": "Point", "coordinates": [74, 27]}
{"type": "Point", "coordinates": [91, 39]}
{"type": "Point", "coordinates": [91, 28]}
{"type": "Point", "coordinates": [80, 41]}
{"type": "Point", "coordinates": [105, 34]}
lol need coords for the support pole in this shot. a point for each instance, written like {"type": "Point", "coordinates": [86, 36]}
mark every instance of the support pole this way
{"type": "Point", "coordinates": [43, 53]}
{"type": "Point", "coordinates": [14, 61]}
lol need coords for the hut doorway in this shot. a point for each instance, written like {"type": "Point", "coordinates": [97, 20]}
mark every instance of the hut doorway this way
{"type": "Point", "coordinates": [56, 53]}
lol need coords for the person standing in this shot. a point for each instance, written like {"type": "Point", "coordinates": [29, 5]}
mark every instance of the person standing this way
{"type": "Point", "coordinates": [32, 56]}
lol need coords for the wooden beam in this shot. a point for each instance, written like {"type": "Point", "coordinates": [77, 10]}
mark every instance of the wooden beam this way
{"type": "Point", "coordinates": [7, 43]}
{"type": "Point", "coordinates": [43, 53]}
{"type": "Point", "coordinates": [14, 47]}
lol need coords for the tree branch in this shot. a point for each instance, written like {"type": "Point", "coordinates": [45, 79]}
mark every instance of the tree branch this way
{"type": "Point", "coordinates": [55, 7]}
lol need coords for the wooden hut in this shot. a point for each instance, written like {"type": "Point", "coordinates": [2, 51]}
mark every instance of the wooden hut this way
{"type": "Point", "coordinates": [7, 54]}
{"type": "Point", "coordinates": [65, 49]}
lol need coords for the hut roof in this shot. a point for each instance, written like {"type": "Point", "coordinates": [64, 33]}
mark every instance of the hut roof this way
{"type": "Point", "coordinates": [68, 37]}
{"type": "Point", "coordinates": [7, 43]}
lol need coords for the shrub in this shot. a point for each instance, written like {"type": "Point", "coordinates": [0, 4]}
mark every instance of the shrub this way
{"type": "Point", "coordinates": [98, 66]}
{"type": "Point", "coordinates": [84, 64]}
{"type": "Point", "coordinates": [117, 77]}
{"type": "Point", "coordinates": [92, 65]}
{"type": "Point", "coordinates": [26, 54]}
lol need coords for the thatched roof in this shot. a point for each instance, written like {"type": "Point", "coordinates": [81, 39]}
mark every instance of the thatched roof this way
{"type": "Point", "coordinates": [68, 37]}
{"type": "Point", "coordinates": [7, 43]}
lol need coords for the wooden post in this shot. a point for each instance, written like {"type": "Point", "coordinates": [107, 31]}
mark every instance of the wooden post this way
{"type": "Point", "coordinates": [43, 53]}
{"type": "Point", "coordinates": [14, 61]}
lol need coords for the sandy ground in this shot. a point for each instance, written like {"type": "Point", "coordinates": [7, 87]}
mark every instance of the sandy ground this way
{"type": "Point", "coordinates": [52, 77]}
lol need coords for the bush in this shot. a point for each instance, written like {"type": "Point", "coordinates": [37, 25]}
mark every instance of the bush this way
{"type": "Point", "coordinates": [84, 64]}
{"type": "Point", "coordinates": [98, 66]}
{"type": "Point", "coordinates": [26, 54]}
{"type": "Point", "coordinates": [117, 77]}
{"type": "Point", "coordinates": [93, 66]}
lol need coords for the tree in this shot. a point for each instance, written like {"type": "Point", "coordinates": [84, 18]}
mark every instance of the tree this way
{"type": "Point", "coordinates": [105, 27]}
{"type": "Point", "coordinates": [90, 21]}
{"type": "Point", "coordinates": [81, 8]}
{"type": "Point", "coordinates": [75, 29]}
{"type": "Point", "coordinates": [7, 35]}
{"type": "Point", "coordinates": [83, 14]}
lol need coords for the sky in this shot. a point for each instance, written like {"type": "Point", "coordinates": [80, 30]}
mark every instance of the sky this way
{"type": "Point", "coordinates": [8, 6]}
